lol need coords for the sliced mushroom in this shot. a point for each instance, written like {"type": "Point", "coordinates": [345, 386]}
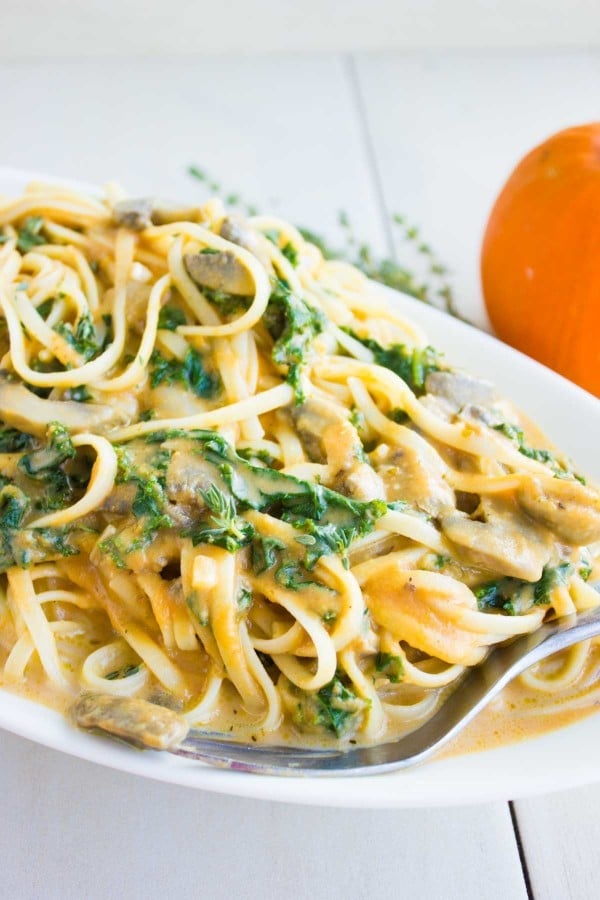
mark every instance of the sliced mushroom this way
{"type": "Point", "coordinates": [120, 500]}
{"type": "Point", "coordinates": [236, 230]}
{"type": "Point", "coordinates": [26, 411]}
{"type": "Point", "coordinates": [187, 476]}
{"type": "Point", "coordinates": [503, 546]}
{"type": "Point", "coordinates": [478, 414]}
{"type": "Point", "coordinates": [570, 509]}
{"type": "Point", "coordinates": [142, 212]}
{"type": "Point", "coordinates": [328, 435]}
{"type": "Point", "coordinates": [142, 723]}
{"type": "Point", "coordinates": [410, 476]}
{"type": "Point", "coordinates": [459, 388]}
{"type": "Point", "coordinates": [219, 271]}
{"type": "Point", "coordinates": [134, 214]}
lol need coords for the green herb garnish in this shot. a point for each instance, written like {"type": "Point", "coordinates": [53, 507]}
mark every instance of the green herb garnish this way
{"type": "Point", "coordinates": [189, 372]}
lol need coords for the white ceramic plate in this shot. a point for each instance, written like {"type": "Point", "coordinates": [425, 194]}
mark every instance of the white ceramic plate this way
{"type": "Point", "coordinates": [562, 759]}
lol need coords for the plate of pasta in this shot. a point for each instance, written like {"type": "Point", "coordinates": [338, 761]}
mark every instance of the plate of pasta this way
{"type": "Point", "coordinates": [241, 481]}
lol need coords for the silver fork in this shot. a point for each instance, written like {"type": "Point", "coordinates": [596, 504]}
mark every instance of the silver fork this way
{"type": "Point", "coordinates": [475, 690]}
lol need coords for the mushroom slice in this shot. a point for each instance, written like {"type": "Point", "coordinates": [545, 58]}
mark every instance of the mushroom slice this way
{"type": "Point", "coordinates": [26, 411]}
{"type": "Point", "coordinates": [458, 389]}
{"type": "Point", "coordinates": [219, 271]}
{"type": "Point", "coordinates": [187, 477]}
{"type": "Point", "coordinates": [134, 214]}
{"type": "Point", "coordinates": [570, 509]}
{"type": "Point", "coordinates": [236, 230]}
{"type": "Point", "coordinates": [326, 433]}
{"type": "Point", "coordinates": [507, 547]}
{"type": "Point", "coordinates": [138, 721]}
{"type": "Point", "coordinates": [408, 475]}
{"type": "Point", "coordinates": [142, 212]}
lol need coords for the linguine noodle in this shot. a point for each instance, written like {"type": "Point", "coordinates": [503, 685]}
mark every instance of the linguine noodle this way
{"type": "Point", "coordinates": [236, 481]}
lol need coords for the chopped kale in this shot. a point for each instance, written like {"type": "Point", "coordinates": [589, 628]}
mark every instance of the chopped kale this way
{"type": "Point", "coordinates": [291, 254]}
{"type": "Point", "coordinates": [249, 453]}
{"type": "Point", "coordinates": [335, 708]}
{"type": "Point", "coordinates": [227, 304]}
{"type": "Point", "coordinates": [30, 234]}
{"type": "Point", "coordinates": [497, 595]}
{"type": "Point", "coordinates": [323, 540]}
{"type": "Point", "coordinates": [293, 325]}
{"type": "Point", "coordinates": [390, 666]}
{"type": "Point", "coordinates": [515, 596]}
{"type": "Point", "coordinates": [13, 506]}
{"type": "Point", "coordinates": [292, 575]}
{"type": "Point", "coordinates": [21, 546]}
{"type": "Point", "coordinates": [82, 338]}
{"type": "Point", "coordinates": [148, 505]}
{"type": "Point", "coordinates": [12, 440]}
{"type": "Point", "coordinates": [79, 393]}
{"type": "Point", "coordinates": [59, 441]}
{"type": "Point", "coordinates": [516, 434]}
{"type": "Point", "coordinates": [399, 416]}
{"type": "Point", "coordinates": [265, 553]}
{"type": "Point", "coordinates": [46, 465]}
{"type": "Point", "coordinates": [326, 521]}
{"type": "Point", "coordinates": [244, 600]}
{"type": "Point", "coordinates": [45, 308]}
{"type": "Point", "coordinates": [171, 317]}
{"type": "Point", "coordinates": [552, 577]}
{"type": "Point", "coordinates": [411, 365]}
{"type": "Point", "coordinates": [189, 372]}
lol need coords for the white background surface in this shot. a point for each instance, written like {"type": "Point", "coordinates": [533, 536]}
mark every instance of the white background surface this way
{"type": "Point", "coordinates": [431, 135]}
{"type": "Point", "coordinates": [67, 28]}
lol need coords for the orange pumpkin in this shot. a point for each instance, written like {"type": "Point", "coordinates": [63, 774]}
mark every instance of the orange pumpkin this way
{"type": "Point", "coordinates": [540, 263]}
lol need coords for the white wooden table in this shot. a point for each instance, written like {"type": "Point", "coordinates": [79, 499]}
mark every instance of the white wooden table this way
{"type": "Point", "coordinates": [426, 134]}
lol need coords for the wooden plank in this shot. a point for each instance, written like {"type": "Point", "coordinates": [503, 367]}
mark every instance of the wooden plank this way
{"type": "Point", "coordinates": [560, 835]}
{"type": "Point", "coordinates": [448, 128]}
{"type": "Point", "coordinates": [71, 829]}
{"type": "Point", "coordinates": [281, 130]}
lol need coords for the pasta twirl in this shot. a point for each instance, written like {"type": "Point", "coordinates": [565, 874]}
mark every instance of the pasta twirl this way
{"type": "Point", "coordinates": [236, 481]}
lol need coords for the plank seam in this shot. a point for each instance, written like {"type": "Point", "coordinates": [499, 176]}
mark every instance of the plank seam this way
{"type": "Point", "coordinates": [521, 850]}
{"type": "Point", "coordinates": [369, 148]}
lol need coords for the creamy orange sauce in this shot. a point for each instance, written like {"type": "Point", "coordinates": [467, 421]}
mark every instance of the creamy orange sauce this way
{"type": "Point", "coordinates": [519, 714]}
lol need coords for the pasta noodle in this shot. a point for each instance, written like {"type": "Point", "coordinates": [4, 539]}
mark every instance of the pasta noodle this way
{"type": "Point", "coordinates": [221, 490]}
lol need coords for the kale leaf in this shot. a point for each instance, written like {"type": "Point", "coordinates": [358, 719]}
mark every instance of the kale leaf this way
{"type": "Point", "coordinates": [390, 666]}
{"type": "Point", "coordinates": [293, 325]}
{"type": "Point", "coordinates": [82, 338]}
{"type": "Point", "coordinates": [12, 440]}
{"type": "Point", "coordinates": [45, 465]}
{"type": "Point", "coordinates": [30, 235]}
{"type": "Point", "coordinates": [514, 433]}
{"type": "Point", "coordinates": [335, 708]}
{"type": "Point", "coordinates": [171, 317]}
{"type": "Point", "coordinates": [189, 372]}
{"type": "Point", "coordinates": [552, 577]}
{"type": "Point", "coordinates": [411, 365]}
